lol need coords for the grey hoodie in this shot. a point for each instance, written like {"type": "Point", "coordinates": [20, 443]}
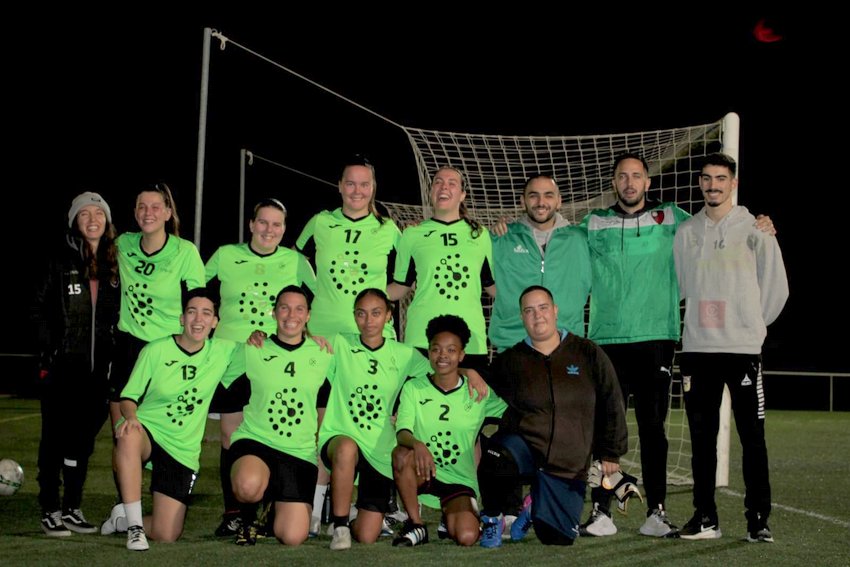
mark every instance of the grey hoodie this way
{"type": "Point", "coordinates": [732, 279]}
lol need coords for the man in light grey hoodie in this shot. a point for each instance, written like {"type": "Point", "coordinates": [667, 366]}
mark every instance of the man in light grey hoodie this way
{"type": "Point", "coordinates": [733, 281]}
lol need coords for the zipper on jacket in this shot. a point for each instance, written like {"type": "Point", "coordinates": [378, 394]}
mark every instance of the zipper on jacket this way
{"type": "Point", "coordinates": [93, 320]}
{"type": "Point", "coordinates": [551, 406]}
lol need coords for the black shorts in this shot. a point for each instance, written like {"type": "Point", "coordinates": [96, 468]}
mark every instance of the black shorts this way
{"type": "Point", "coordinates": [445, 492]}
{"type": "Point", "coordinates": [232, 399]}
{"type": "Point", "coordinates": [127, 349]}
{"type": "Point", "coordinates": [374, 490]}
{"type": "Point", "coordinates": [168, 476]}
{"type": "Point", "coordinates": [292, 479]}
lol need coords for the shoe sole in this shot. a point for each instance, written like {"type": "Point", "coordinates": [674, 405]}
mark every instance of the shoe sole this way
{"type": "Point", "coordinates": [66, 533]}
{"type": "Point", "coordinates": [116, 526]}
{"type": "Point", "coordinates": [715, 534]}
{"type": "Point", "coordinates": [587, 533]}
{"type": "Point", "coordinates": [668, 533]}
{"type": "Point", "coordinates": [79, 530]}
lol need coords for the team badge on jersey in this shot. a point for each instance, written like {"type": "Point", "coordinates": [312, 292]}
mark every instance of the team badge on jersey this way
{"type": "Point", "coordinates": [657, 216]}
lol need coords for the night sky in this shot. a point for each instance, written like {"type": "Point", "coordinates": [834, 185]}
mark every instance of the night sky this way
{"type": "Point", "coordinates": [112, 106]}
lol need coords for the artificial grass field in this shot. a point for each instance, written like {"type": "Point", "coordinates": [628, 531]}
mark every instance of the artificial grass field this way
{"type": "Point", "coordinates": [809, 455]}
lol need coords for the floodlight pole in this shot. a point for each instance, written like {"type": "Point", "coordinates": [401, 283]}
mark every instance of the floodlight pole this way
{"type": "Point", "coordinates": [202, 135]}
{"type": "Point", "coordinates": [243, 159]}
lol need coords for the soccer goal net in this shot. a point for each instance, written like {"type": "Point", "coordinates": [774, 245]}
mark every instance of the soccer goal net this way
{"type": "Point", "coordinates": [498, 166]}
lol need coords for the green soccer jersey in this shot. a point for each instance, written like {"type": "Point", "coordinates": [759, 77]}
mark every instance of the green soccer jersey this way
{"type": "Point", "coordinates": [151, 284]}
{"type": "Point", "coordinates": [449, 266]}
{"type": "Point", "coordinates": [173, 389]}
{"type": "Point", "coordinates": [448, 423]}
{"type": "Point", "coordinates": [350, 256]}
{"type": "Point", "coordinates": [249, 284]}
{"type": "Point", "coordinates": [364, 386]}
{"type": "Point", "coordinates": [635, 293]}
{"type": "Point", "coordinates": [285, 381]}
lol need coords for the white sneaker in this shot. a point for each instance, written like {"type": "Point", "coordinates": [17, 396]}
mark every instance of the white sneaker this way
{"type": "Point", "coordinates": [315, 526]}
{"type": "Point", "coordinates": [341, 538]}
{"type": "Point", "coordinates": [598, 524]}
{"type": "Point", "coordinates": [657, 524]}
{"type": "Point", "coordinates": [116, 522]}
{"type": "Point", "coordinates": [136, 539]}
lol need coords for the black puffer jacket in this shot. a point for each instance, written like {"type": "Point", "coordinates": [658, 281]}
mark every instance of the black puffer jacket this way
{"type": "Point", "coordinates": [66, 324]}
{"type": "Point", "coordinates": [567, 405]}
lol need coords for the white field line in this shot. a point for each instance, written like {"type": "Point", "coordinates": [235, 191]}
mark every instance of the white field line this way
{"type": "Point", "coordinates": [815, 515]}
{"type": "Point", "coordinates": [20, 417]}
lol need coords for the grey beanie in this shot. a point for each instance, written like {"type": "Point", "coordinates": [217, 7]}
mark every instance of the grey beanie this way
{"type": "Point", "coordinates": [84, 200]}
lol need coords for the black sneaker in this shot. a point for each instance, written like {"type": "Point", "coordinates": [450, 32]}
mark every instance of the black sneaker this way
{"type": "Point", "coordinates": [52, 525]}
{"type": "Point", "coordinates": [412, 534]}
{"type": "Point", "coordinates": [76, 522]}
{"type": "Point", "coordinates": [247, 535]}
{"type": "Point", "coordinates": [264, 524]}
{"type": "Point", "coordinates": [701, 526]}
{"type": "Point", "coordinates": [229, 526]}
{"type": "Point", "coordinates": [442, 529]}
{"type": "Point", "coordinates": [757, 529]}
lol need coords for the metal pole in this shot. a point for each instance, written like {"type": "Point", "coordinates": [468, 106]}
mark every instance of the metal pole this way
{"type": "Point", "coordinates": [202, 135]}
{"type": "Point", "coordinates": [243, 157]}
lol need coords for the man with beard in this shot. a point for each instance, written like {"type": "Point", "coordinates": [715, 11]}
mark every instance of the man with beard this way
{"type": "Point", "coordinates": [634, 317]}
{"type": "Point", "coordinates": [540, 248]}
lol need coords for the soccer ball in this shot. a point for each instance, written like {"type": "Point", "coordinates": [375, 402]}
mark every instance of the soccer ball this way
{"type": "Point", "coordinates": [11, 477]}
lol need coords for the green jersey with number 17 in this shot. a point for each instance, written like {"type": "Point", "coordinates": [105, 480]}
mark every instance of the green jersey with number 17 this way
{"type": "Point", "coordinates": [350, 256]}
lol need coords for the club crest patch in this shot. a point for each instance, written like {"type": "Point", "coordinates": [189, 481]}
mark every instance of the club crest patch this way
{"type": "Point", "coordinates": [658, 216]}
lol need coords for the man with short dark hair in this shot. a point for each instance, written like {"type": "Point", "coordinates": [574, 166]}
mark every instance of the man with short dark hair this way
{"type": "Point", "coordinates": [540, 248]}
{"type": "Point", "coordinates": [733, 281]}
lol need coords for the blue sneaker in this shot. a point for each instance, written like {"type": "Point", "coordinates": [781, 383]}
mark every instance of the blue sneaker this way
{"type": "Point", "coordinates": [522, 523]}
{"type": "Point", "coordinates": [491, 530]}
